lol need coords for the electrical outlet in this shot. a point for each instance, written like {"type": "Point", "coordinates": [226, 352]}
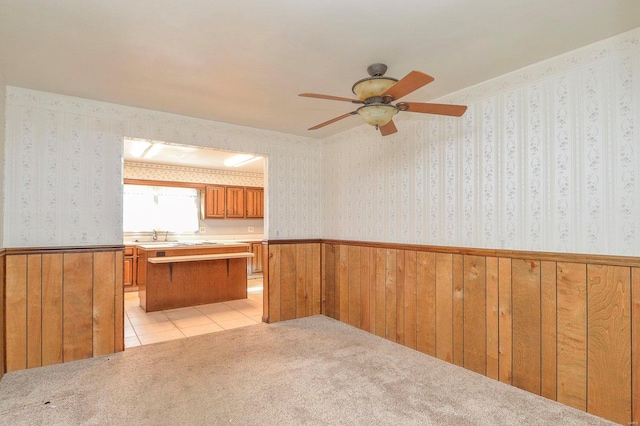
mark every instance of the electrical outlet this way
{"type": "Point", "coordinates": [203, 229]}
{"type": "Point", "coordinates": [251, 229]}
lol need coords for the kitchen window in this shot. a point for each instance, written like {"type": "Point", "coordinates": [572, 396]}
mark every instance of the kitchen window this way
{"type": "Point", "coordinates": [171, 209]}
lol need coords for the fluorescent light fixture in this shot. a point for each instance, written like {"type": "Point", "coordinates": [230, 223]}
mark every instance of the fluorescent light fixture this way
{"type": "Point", "coordinates": [240, 160]}
{"type": "Point", "coordinates": [137, 147]}
{"type": "Point", "coordinates": [153, 150]}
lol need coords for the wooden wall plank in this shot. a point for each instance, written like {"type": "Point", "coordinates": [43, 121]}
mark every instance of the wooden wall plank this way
{"type": "Point", "coordinates": [492, 318]}
{"type": "Point", "coordinates": [609, 342]}
{"type": "Point", "coordinates": [426, 303]}
{"type": "Point", "coordinates": [317, 279]}
{"type": "Point", "coordinates": [307, 253]}
{"type": "Point", "coordinates": [2, 316]}
{"type": "Point", "coordinates": [288, 301]}
{"type": "Point", "coordinates": [548, 308]}
{"type": "Point", "coordinates": [274, 282]}
{"type": "Point", "coordinates": [373, 277]}
{"type": "Point", "coordinates": [329, 280]}
{"type": "Point", "coordinates": [505, 332]}
{"type": "Point", "coordinates": [266, 300]}
{"type": "Point", "coordinates": [572, 334]}
{"type": "Point", "coordinates": [458, 309]}
{"type": "Point", "coordinates": [365, 291]}
{"type": "Point", "coordinates": [635, 345]}
{"type": "Point", "coordinates": [77, 306]}
{"type": "Point", "coordinates": [390, 294]}
{"type": "Point", "coordinates": [52, 309]}
{"type": "Point", "coordinates": [300, 268]}
{"type": "Point", "coordinates": [400, 286]}
{"type": "Point", "coordinates": [410, 299]}
{"type": "Point", "coordinates": [104, 298]}
{"type": "Point", "coordinates": [354, 277]}
{"type": "Point", "coordinates": [444, 307]}
{"type": "Point", "coordinates": [343, 280]}
{"type": "Point", "coordinates": [475, 314]}
{"type": "Point", "coordinates": [381, 294]}
{"type": "Point", "coordinates": [34, 310]}
{"type": "Point", "coordinates": [119, 302]}
{"type": "Point", "coordinates": [16, 313]}
{"type": "Point", "coordinates": [525, 291]}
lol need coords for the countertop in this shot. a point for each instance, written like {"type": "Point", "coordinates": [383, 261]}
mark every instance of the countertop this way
{"type": "Point", "coordinates": [212, 240]}
{"type": "Point", "coordinates": [188, 244]}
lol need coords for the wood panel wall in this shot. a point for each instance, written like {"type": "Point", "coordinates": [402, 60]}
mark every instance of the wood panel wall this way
{"type": "Point", "coordinates": [292, 277]}
{"type": "Point", "coordinates": [62, 305]}
{"type": "Point", "coordinates": [2, 316]}
{"type": "Point", "coordinates": [566, 329]}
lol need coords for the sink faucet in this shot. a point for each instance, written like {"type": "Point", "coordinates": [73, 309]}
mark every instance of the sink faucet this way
{"type": "Point", "coordinates": [166, 236]}
{"type": "Point", "coordinates": [155, 235]}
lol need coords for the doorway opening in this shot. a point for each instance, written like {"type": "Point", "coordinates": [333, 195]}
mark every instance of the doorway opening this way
{"type": "Point", "coordinates": [209, 174]}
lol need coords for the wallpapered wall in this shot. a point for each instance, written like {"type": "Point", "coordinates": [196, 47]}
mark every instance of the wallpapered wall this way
{"type": "Point", "coordinates": [3, 96]}
{"type": "Point", "coordinates": [64, 169]}
{"type": "Point", "coordinates": [146, 171]}
{"type": "Point", "coordinates": [546, 158]}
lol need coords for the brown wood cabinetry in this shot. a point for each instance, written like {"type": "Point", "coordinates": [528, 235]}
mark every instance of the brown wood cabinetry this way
{"type": "Point", "coordinates": [232, 202]}
{"type": "Point", "coordinates": [255, 202]}
{"type": "Point", "coordinates": [214, 202]}
{"type": "Point", "coordinates": [129, 266]}
{"type": "Point", "coordinates": [235, 202]}
{"type": "Point", "coordinates": [179, 276]}
{"type": "Point", "coordinates": [130, 277]}
{"type": "Point", "coordinates": [256, 261]}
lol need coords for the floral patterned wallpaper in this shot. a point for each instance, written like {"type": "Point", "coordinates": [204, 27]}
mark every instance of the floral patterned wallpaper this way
{"type": "Point", "coordinates": [64, 168]}
{"type": "Point", "coordinates": [3, 96]}
{"type": "Point", "coordinates": [546, 158]}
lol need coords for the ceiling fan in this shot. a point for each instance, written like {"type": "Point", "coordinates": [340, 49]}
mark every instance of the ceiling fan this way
{"type": "Point", "coordinates": [376, 94]}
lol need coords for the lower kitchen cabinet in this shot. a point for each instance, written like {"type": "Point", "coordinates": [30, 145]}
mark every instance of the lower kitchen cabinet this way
{"type": "Point", "coordinates": [256, 261]}
{"type": "Point", "coordinates": [130, 266]}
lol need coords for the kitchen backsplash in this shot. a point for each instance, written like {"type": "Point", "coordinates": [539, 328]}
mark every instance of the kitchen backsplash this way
{"type": "Point", "coordinates": [146, 171]}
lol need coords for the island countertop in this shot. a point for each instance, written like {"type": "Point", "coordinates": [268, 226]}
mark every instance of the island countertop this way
{"type": "Point", "coordinates": [189, 245]}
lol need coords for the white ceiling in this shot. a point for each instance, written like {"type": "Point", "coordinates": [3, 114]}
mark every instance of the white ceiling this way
{"type": "Point", "coordinates": [244, 62]}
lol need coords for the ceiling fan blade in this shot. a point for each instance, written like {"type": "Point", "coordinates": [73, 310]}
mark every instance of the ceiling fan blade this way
{"type": "Point", "coordinates": [388, 128]}
{"type": "Point", "coordinates": [410, 82]}
{"type": "Point", "coordinates": [329, 97]}
{"type": "Point", "coordinates": [440, 109]}
{"type": "Point", "coordinates": [333, 120]}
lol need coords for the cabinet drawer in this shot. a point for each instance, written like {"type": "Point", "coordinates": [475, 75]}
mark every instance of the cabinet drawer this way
{"type": "Point", "coordinates": [128, 251]}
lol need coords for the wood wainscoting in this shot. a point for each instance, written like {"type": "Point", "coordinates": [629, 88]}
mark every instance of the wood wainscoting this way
{"type": "Point", "coordinates": [563, 326]}
{"type": "Point", "coordinates": [291, 280]}
{"type": "Point", "coordinates": [2, 316]}
{"type": "Point", "coordinates": [62, 304]}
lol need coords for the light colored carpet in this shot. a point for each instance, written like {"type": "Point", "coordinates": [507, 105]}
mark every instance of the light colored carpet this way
{"type": "Point", "coordinates": [302, 372]}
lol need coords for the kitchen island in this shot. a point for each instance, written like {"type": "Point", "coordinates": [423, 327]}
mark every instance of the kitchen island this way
{"type": "Point", "coordinates": [176, 275]}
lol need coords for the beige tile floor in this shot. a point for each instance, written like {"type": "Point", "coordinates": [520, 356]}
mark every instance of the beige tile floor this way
{"type": "Point", "coordinates": [141, 328]}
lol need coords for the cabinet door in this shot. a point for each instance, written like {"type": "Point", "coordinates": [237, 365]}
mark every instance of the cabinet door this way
{"type": "Point", "coordinates": [255, 202]}
{"type": "Point", "coordinates": [235, 202]}
{"type": "Point", "coordinates": [128, 271]}
{"type": "Point", "coordinates": [256, 262]}
{"type": "Point", "coordinates": [214, 202]}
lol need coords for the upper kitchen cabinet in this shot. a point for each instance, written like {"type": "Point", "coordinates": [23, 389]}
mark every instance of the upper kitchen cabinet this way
{"type": "Point", "coordinates": [232, 202]}
{"type": "Point", "coordinates": [235, 202]}
{"type": "Point", "coordinates": [255, 203]}
{"type": "Point", "coordinates": [214, 202]}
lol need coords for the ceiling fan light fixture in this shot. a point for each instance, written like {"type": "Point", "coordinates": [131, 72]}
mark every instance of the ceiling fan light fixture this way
{"type": "Point", "coordinates": [377, 114]}
{"type": "Point", "coordinates": [372, 86]}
